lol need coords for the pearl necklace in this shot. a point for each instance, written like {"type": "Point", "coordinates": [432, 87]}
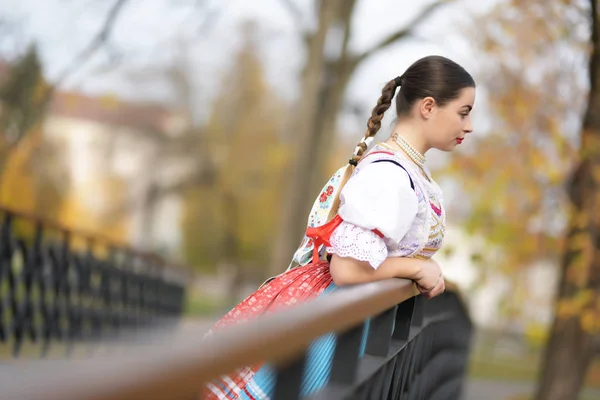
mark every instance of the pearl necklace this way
{"type": "Point", "coordinates": [410, 151]}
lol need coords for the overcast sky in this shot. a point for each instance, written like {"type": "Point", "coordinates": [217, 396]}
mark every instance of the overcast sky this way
{"type": "Point", "coordinates": [147, 28]}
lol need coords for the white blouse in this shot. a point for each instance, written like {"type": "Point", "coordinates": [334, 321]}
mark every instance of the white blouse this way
{"type": "Point", "coordinates": [379, 196]}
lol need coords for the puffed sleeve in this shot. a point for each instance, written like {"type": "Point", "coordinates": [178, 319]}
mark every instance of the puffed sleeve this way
{"type": "Point", "coordinates": [378, 197]}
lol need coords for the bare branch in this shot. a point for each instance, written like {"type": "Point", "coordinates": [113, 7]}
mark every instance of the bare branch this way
{"type": "Point", "coordinates": [202, 176]}
{"type": "Point", "coordinates": [294, 12]}
{"type": "Point", "coordinates": [404, 32]}
{"type": "Point", "coordinates": [95, 44]}
{"type": "Point", "coordinates": [346, 19]}
{"type": "Point", "coordinates": [209, 21]}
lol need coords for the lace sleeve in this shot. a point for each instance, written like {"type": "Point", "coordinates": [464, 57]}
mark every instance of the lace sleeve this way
{"type": "Point", "coordinates": [380, 196]}
{"type": "Point", "coordinates": [362, 244]}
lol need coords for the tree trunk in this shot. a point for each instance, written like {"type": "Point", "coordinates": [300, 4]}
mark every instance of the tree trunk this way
{"type": "Point", "coordinates": [571, 348]}
{"type": "Point", "coordinates": [148, 216]}
{"type": "Point", "coordinates": [231, 244]}
{"type": "Point", "coordinates": [331, 97]}
{"type": "Point", "coordinates": [295, 207]}
{"type": "Point", "coordinates": [568, 356]}
{"type": "Point", "coordinates": [324, 86]}
{"type": "Point", "coordinates": [331, 102]}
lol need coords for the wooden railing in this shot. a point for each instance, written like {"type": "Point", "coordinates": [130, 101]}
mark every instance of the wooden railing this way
{"type": "Point", "coordinates": [424, 357]}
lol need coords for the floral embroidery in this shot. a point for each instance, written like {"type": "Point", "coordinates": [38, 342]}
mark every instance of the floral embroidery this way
{"type": "Point", "coordinates": [319, 213]}
{"type": "Point", "coordinates": [326, 196]}
{"type": "Point", "coordinates": [326, 204]}
{"type": "Point", "coordinates": [435, 209]}
{"type": "Point", "coordinates": [326, 193]}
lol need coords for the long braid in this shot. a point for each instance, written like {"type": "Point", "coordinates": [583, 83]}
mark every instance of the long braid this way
{"type": "Point", "coordinates": [373, 125]}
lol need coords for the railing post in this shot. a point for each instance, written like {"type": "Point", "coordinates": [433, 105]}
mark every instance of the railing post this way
{"type": "Point", "coordinates": [416, 323]}
{"type": "Point", "coordinates": [85, 290]}
{"type": "Point", "coordinates": [345, 356]}
{"type": "Point", "coordinates": [36, 267]}
{"type": "Point", "coordinates": [18, 297]}
{"type": "Point", "coordinates": [380, 333]}
{"type": "Point", "coordinates": [288, 379]}
{"type": "Point", "coordinates": [404, 316]}
{"type": "Point", "coordinates": [5, 263]}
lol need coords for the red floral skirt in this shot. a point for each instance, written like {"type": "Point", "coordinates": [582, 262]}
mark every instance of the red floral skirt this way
{"type": "Point", "coordinates": [294, 286]}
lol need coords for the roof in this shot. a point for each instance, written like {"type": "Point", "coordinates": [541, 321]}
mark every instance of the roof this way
{"type": "Point", "coordinates": [111, 110]}
{"type": "Point", "coordinates": [107, 109]}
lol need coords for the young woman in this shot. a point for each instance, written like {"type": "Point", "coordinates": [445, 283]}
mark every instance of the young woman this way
{"type": "Point", "coordinates": [380, 217]}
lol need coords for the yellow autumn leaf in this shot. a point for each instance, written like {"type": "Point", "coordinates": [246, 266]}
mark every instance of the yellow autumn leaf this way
{"type": "Point", "coordinates": [589, 321]}
{"type": "Point", "coordinates": [583, 298]}
{"type": "Point", "coordinates": [566, 309]}
{"type": "Point", "coordinates": [251, 159]}
{"type": "Point", "coordinates": [582, 219]}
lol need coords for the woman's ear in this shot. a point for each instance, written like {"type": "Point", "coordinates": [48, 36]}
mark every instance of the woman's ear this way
{"type": "Point", "coordinates": [427, 107]}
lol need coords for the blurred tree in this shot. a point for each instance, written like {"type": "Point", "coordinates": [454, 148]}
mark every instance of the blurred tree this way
{"type": "Point", "coordinates": [49, 165]}
{"type": "Point", "coordinates": [513, 177]}
{"type": "Point", "coordinates": [21, 101]}
{"type": "Point", "coordinates": [17, 189]}
{"type": "Point", "coordinates": [34, 173]}
{"type": "Point", "coordinates": [231, 220]}
{"type": "Point", "coordinates": [34, 179]}
{"type": "Point", "coordinates": [29, 168]}
{"type": "Point", "coordinates": [325, 76]}
{"type": "Point", "coordinates": [25, 93]}
{"type": "Point", "coordinates": [96, 43]}
{"type": "Point", "coordinates": [575, 336]}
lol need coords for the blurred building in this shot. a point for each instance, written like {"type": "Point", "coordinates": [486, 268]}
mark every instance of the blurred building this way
{"type": "Point", "coordinates": [113, 150]}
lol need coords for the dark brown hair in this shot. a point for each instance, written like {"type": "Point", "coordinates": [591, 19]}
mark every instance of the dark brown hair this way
{"type": "Point", "coordinates": [432, 76]}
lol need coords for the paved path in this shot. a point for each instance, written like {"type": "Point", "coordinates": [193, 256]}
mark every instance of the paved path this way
{"type": "Point", "coordinates": [496, 390]}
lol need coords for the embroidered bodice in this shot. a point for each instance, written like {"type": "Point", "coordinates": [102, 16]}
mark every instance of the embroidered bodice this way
{"type": "Point", "coordinates": [383, 216]}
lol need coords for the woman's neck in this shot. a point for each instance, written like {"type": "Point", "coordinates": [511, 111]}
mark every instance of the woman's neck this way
{"type": "Point", "coordinates": [412, 134]}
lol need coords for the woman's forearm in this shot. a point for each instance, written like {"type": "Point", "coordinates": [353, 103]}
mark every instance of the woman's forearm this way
{"type": "Point", "coordinates": [349, 271]}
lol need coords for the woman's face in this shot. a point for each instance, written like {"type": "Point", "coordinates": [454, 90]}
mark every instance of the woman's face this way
{"type": "Point", "coordinates": [447, 126]}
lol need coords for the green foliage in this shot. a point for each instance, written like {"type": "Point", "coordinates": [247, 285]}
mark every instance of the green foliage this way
{"type": "Point", "coordinates": [197, 306]}
{"type": "Point", "coordinates": [513, 175]}
{"type": "Point", "coordinates": [233, 218]}
{"type": "Point", "coordinates": [23, 97]}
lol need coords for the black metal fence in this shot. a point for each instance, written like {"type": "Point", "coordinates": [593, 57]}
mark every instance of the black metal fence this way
{"type": "Point", "coordinates": [425, 357]}
{"type": "Point", "coordinates": [64, 287]}
{"type": "Point", "coordinates": [416, 349]}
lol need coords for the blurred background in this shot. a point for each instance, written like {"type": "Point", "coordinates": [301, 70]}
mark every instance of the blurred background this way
{"type": "Point", "coordinates": [203, 130]}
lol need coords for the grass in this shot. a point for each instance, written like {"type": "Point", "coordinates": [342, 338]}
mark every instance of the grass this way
{"type": "Point", "coordinates": [504, 370]}
{"type": "Point", "coordinates": [519, 369]}
{"type": "Point", "coordinates": [528, 397]}
{"type": "Point", "coordinates": [198, 305]}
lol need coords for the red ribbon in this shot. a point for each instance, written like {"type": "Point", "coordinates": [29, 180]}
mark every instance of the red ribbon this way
{"type": "Point", "coordinates": [322, 234]}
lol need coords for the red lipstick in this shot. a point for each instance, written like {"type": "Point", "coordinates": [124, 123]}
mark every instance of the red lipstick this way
{"type": "Point", "coordinates": [459, 140]}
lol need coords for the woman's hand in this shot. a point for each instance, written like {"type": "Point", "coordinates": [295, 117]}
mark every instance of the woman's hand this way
{"type": "Point", "coordinates": [425, 273]}
{"type": "Point", "coordinates": [349, 271]}
{"type": "Point", "coordinates": [431, 281]}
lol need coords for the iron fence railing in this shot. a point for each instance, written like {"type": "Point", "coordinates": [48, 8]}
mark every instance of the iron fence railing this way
{"type": "Point", "coordinates": [62, 286]}
{"type": "Point", "coordinates": [425, 357]}
{"type": "Point", "coordinates": [416, 349]}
